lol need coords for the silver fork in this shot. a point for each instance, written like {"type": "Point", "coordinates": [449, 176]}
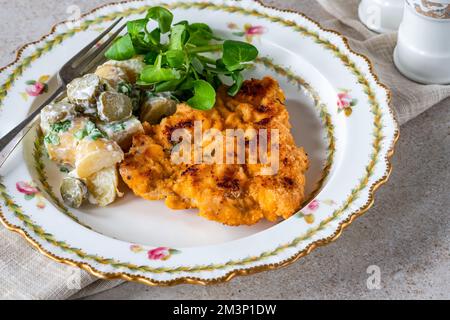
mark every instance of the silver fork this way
{"type": "Point", "coordinates": [74, 68]}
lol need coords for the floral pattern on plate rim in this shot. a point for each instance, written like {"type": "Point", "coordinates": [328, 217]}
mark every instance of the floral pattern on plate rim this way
{"type": "Point", "coordinates": [30, 191]}
{"type": "Point", "coordinates": [346, 102]}
{"type": "Point", "coordinates": [35, 88]}
{"type": "Point", "coordinates": [248, 31]}
{"type": "Point", "coordinates": [160, 253]}
{"type": "Point", "coordinates": [311, 208]}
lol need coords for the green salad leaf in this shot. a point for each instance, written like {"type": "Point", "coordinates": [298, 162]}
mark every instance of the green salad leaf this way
{"type": "Point", "coordinates": [204, 97]}
{"type": "Point", "coordinates": [141, 39]}
{"type": "Point", "coordinates": [122, 49]}
{"type": "Point", "coordinates": [236, 53]}
{"type": "Point", "coordinates": [177, 37]}
{"type": "Point", "coordinates": [161, 15]}
{"type": "Point", "coordinates": [200, 34]}
{"type": "Point", "coordinates": [175, 58]}
{"type": "Point", "coordinates": [150, 58]}
{"type": "Point", "coordinates": [191, 64]}
{"type": "Point", "coordinates": [238, 81]}
{"type": "Point", "coordinates": [156, 73]}
{"type": "Point", "coordinates": [136, 27]}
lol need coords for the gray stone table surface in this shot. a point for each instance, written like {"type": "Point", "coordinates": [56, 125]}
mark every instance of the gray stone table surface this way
{"type": "Point", "coordinates": [406, 234]}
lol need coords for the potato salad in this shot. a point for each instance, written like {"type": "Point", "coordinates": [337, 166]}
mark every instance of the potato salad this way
{"type": "Point", "coordinates": [88, 131]}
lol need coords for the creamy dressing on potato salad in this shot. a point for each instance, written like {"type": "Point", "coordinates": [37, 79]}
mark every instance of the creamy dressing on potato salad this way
{"type": "Point", "coordinates": [89, 130]}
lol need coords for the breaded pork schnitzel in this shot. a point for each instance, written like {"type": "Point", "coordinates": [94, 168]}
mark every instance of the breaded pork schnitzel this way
{"type": "Point", "coordinates": [232, 194]}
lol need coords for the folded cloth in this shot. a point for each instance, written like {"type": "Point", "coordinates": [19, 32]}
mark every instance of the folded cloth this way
{"type": "Point", "coordinates": [27, 274]}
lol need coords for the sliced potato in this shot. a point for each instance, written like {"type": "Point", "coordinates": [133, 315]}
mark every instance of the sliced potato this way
{"type": "Point", "coordinates": [132, 67]}
{"type": "Point", "coordinates": [73, 191]}
{"type": "Point", "coordinates": [56, 112]}
{"type": "Point", "coordinates": [112, 74]}
{"type": "Point", "coordinates": [84, 91]}
{"type": "Point", "coordinates": [64, 150]}
{"type": "Point", "coordinates": [156, 108]}
{"type": "Point", "coordinates": [114, 106]}
{"type": "Point", "coordinates": [103, 187]}
{"type": "Point", "coordinates": [122, 132]}
{"type": "Point", "coordinates": [95, 155]}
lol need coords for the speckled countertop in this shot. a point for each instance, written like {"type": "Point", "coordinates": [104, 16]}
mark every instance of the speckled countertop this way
{"type": "Point", "coordinates": [406, 234]}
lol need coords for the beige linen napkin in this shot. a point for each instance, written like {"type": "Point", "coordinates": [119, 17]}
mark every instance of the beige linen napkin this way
{"type": "Point", "coordinates": [26, 274]}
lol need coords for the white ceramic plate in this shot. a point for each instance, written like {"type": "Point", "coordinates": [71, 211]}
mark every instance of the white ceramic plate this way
{"type": "Point", "coordinates": [339, 111]}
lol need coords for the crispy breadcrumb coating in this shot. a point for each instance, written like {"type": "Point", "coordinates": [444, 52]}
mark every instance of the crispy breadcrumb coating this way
{"type": "Point", "coordinates": [232, 194]}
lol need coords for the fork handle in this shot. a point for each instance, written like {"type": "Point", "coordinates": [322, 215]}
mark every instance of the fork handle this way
{"type": "Point", "coordinates": [10, 141]}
